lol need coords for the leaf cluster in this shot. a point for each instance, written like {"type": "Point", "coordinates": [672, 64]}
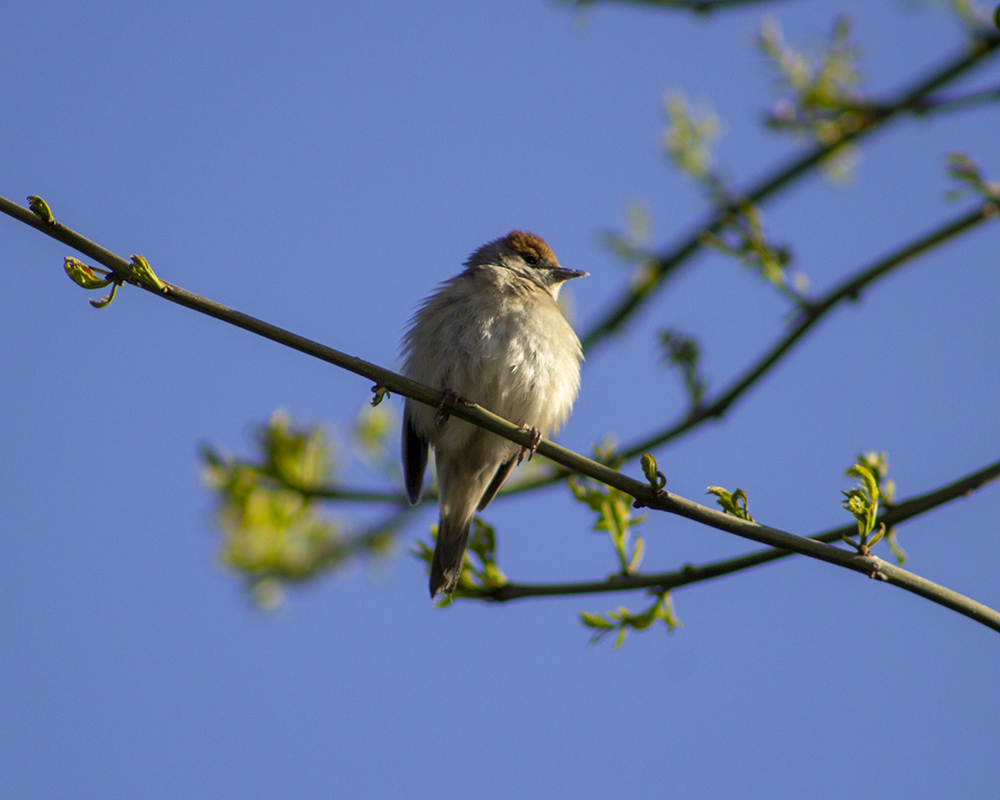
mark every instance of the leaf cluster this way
{"type": "Point", "coordinates": [739, 231]}
{"type": "Point", "coordinates": [821, 101]}
{"type": "Point", "coordinates": [734, 503]}
{"type": "Point", "coordinates": [273, 527]}
{"type": "Point", "coordinates": [683, 353]}
{"type": "Point", "coordinates": [688, 139]}
{"type": "Point", "coordinates": [862, 501]}
{"type": "Point", "coordinates": [741, 235]}
{"type": "Point", "coordinates": [969, 178]}
{"type": "Point", "coordinates": [614, 515]}
{"type": "Point", "coordinates": [621, 621]}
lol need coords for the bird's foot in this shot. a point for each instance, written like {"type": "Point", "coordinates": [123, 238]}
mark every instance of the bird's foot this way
{"type": "Point", "coordinates": [536, 437]}
{"type": "Point", "coordinates": [448, 400]}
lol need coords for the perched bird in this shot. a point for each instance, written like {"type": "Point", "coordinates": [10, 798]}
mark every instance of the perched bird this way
{"type": "Point", "coordinates": [492, 335]}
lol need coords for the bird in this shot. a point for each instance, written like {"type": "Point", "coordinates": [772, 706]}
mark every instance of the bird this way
{"type": "Point", "coordinates": [492, 335]}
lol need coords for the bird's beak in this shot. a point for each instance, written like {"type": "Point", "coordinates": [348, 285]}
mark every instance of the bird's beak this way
{"type": "Point", "coordinates": [561, 274]}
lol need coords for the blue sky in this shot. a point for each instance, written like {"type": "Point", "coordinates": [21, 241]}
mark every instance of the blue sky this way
{"type": "Point", "coordinates": [324, 166]}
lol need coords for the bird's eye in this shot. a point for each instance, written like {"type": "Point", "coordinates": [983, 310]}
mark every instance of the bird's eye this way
{"type": "Point", "coordinates": [530, 258]}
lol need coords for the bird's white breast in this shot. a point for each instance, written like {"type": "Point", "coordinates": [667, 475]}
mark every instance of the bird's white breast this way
{"type": "Point", "coordinates": [498, 342]}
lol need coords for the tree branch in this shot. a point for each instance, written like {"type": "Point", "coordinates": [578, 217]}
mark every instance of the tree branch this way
{"type": "Point", "coordinates": [849, 289]}
{"type": "Point", "coordinates": [933, 105]}
{"type": "Point", "coordinates": [643, 493]}
{"type": "Point", "coordinates": [689, 574]}
{"type": "Point", "coordinates": [905, 101]}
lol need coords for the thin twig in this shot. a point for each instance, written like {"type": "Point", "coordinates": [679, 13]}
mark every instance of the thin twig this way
{"type": "Point", "coordinates": [344, 494]}
{"type": "Point", "coordinates": [933, 105]}
{"type": "Point", "coordinates": [849, 289]}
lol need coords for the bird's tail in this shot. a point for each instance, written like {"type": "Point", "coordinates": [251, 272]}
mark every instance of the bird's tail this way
{"type": "Point", "coordinates": [449, 553]}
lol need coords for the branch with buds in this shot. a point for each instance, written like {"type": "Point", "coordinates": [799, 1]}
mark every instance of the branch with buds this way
{"type": "Point", "coordinates": [648, 494]}
{"type": "Point", "coordinates": [917, 99]}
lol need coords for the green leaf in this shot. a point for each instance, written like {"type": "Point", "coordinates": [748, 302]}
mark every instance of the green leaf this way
{"type": "Point", "coordinates": [374, 437]}
{"type": "Point", "coordinates": [594, 620]}
{"type": "Point", "coordinates": [622, 620]}
{"type": "Point", "coordinates": [742, 236]}
{"type": "Point", "coordinates": [648, 464]}
{"type": "Point", "coordinates": [273, 529]}
{"type": "Point", "coordinates": [85, 276]}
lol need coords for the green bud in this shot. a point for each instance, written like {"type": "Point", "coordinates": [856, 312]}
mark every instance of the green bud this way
{"type": "Point", "coordinates": [143, 273]}
{"type": "Point", "coordinates": [41, 209]}
{"type": "Point", "coordinates": [379, 393]}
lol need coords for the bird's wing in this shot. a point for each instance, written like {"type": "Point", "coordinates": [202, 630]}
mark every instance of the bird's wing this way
{"type": "Point", "coordinates": [502, 473]}
{"type": "Point", "coordinates": [414, 459]}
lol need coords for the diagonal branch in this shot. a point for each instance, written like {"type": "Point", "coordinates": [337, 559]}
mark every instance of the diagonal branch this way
{"type": "Point", "coordinates": [849, 289]}
{"type": "Point", "coordinates": [906, 101]}
{"type": "Point", "coordinates": [689, 574]}
{"type": "Point", "coordinates": [643, 493]}
{"type": "Point", "coordinates": [934, 105]}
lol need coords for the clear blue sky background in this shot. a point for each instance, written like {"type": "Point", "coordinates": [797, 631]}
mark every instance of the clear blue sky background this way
{"type": "Point", "coordinates": [323, 166]}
